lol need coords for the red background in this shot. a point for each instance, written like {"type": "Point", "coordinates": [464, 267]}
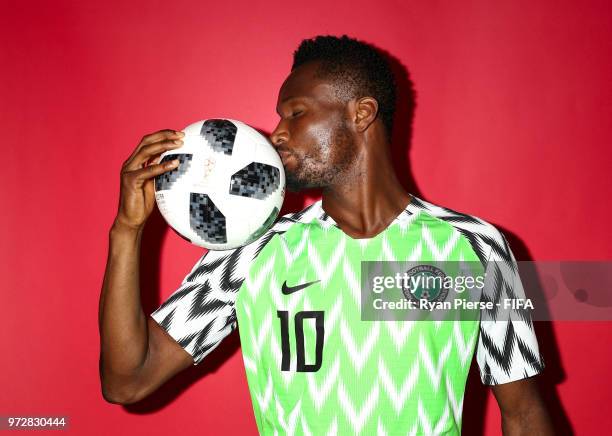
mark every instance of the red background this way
{"type": "Point", "coordinates": [512, 124]}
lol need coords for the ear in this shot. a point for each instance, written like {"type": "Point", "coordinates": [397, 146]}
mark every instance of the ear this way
{"type": "Point", "coordinates": [366, 109]}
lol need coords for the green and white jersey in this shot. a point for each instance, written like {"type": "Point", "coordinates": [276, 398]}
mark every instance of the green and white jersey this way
{"type": "Point", "coordinates": [313, 366]}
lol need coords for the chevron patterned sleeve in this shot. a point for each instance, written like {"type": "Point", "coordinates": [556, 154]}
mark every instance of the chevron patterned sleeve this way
{"type": "Point", "coordinates": [200, 313]}
{"type": "Point", "coordinates": [507, 348]}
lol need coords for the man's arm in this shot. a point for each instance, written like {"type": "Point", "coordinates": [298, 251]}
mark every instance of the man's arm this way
{"type": "Point", "coordinates": [522, 409]}
{"type": "Point", "coordinates": [508, 352]}
{"type": "Point", "coordinates": [136, 355]}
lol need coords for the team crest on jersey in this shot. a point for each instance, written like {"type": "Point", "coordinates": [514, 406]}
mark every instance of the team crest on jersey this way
{"type": "Point", "coordinates": [425, 282]}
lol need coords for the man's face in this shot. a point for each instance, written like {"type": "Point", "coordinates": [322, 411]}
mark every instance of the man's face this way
{"type": "Point", "coordinates": [312, 137]}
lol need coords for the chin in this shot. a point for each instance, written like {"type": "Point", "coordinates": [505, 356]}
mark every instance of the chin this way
{"type": "Point", "coordinates": [297, 185]}
{"type": "Point", "coordinates": [294, 186]}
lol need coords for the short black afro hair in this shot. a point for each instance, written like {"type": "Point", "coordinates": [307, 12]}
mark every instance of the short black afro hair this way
{"type": "Point", "coordinates": [357, 68]}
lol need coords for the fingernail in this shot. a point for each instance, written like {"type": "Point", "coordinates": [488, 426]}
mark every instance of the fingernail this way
{"type": "Point", "coordinates": [179, 133]}
{"type": "Point", "coordinates": [173, 163]}
{"type": "Point", "coordinates": [177, 141]}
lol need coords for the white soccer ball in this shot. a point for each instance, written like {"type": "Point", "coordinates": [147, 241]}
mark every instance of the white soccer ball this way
{"type": "Point", "coordinates": [228, 188]}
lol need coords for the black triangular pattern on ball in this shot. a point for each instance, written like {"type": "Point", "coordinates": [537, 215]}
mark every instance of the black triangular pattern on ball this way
{"type": "Point", "coordinates": [256, 180]}
{"type": "Point", "coordinates": [219, 134]}
{"type": "Point", "coordinates": [206, 220]}
{"type": "Point", "coordinates": [166, 180]}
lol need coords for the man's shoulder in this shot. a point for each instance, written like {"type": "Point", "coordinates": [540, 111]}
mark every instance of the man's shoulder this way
{"type": "Point", "coordinates": [482, 235]}
{"type": "Point", "coordinates": [235, 263]}
{"type": "Point", "coordinates": [306, 215]}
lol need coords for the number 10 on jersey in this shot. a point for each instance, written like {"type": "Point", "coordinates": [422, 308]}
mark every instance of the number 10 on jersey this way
{"type": "Point", "coordinates": [298, 321]}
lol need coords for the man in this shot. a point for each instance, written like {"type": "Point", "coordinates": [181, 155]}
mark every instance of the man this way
{"type": "Point", "coordinates": [313, 366]}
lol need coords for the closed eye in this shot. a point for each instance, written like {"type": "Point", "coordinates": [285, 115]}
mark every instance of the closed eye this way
{"type": "Point", "coordinates": [295, 114]}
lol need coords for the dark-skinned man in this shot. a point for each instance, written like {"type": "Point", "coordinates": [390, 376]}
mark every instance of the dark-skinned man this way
{"type": "Point", "coordinates": [313, 365]}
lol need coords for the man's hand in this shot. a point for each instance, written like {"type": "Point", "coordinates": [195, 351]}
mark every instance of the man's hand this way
{"type": "Point", "coordinates": [137, 196]}
{"type": "Point", "coordinates": [522, 409]}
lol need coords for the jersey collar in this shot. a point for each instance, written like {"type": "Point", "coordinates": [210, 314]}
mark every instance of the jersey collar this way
{"type": "Point", "coordinates": [316, 212]}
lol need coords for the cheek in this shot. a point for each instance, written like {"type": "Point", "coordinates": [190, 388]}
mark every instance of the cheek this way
{"type": "Point", "coordinates": [315, 137]}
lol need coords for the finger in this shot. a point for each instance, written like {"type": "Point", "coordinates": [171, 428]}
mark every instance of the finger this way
{"type": "Point", "coordinates": [147, 152]}
{"type": "Point", "coordinates": [161, 135]}
{"type": "Point", "coordinates": [152, 171]}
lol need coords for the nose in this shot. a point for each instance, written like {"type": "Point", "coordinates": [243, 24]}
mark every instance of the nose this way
{"type": "Point", "coordinates": [280, 135]}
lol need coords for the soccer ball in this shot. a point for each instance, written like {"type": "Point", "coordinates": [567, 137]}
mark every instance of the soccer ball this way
{"type": "Point", "coordinates": [228, 188]}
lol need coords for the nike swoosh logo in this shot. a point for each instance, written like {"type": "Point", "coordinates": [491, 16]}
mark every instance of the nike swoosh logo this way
{"type": "Point", "coordinates": [291, 289]}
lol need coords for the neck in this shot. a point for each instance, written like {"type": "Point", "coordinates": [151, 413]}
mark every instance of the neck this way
{"type": "Point", "coordinates": [368, 197]}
